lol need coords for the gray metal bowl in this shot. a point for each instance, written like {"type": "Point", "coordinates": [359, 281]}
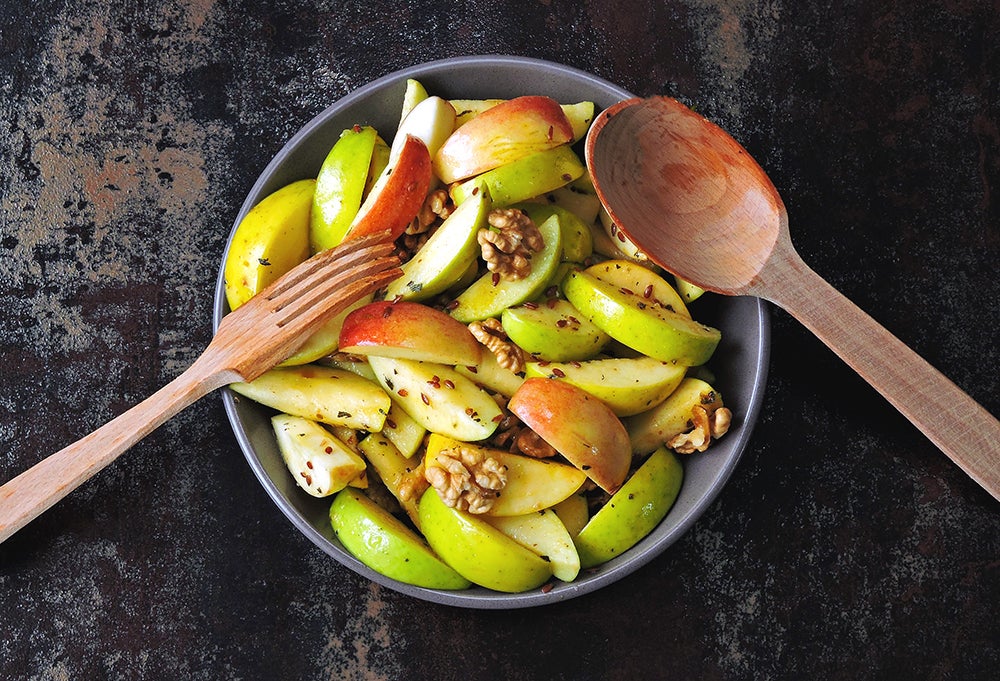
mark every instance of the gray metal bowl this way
{"type": "Point", "coordinates": [740, 363]}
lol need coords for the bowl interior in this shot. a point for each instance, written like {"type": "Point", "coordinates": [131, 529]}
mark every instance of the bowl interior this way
{"type": "Point", "coordinates": [740, 363]}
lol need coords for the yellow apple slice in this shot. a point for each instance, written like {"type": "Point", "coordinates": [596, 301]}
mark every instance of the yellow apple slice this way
{"type": "Point", "coordinates": [544, 533]}
{"type": "Point", "coordinates": [438, 397]}
{"type": "Point", "coordinates": [408, 331]}
{"type": "Point", "coordinates": [574, 512]}
{"type": "Point", "coordinates": [532, 484]}
{"type": "Point", "coordinates": [629, 385]}
{"type": "Point", "coordinates": [580, 427]}
{"type": "Point", "coordinates": [403, 430]}
{"type": "Point", "coordinates": [491, 375]}
{"type": "Point", "coordinates": [671, 417]}
{"type": "Point", "coordinates": [325, 394]}
{"type": "Point", "coordinates": [319, 463]}
{"type": "Point", "coordinates": [478, 551]}
{"type": "Point", "coordinates": [382, 542]}
{"type": "Point", "coordinates": [501, 134]}
{"type": "Point", "coordinates": [633, 511]}
{"type": "Point", "coordinates": [398, 194]}
{"type": "Point", "coordinates": [403, 477]}
{"type": "Point", "coordinates": [272, 239]}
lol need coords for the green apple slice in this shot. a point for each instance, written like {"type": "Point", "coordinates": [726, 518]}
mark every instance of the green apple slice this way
{"type": "Point", "coordinates": [641, 280]}
{"type": "Point", "coordinates": [414, 94]}
{"type": "Point", "coordinates": [478, 551]}
{"type": "Point", "coordinates": [544, 533]}
{"type": "Point", "coordinates": [524, 178]}
{"type": "Point", "coordinates": [688, 291]}
{"type": "Point", "coordinates": [491, 375]}
{"type": "Point", "coordinates": [333, 396]}
{"type": "Point", "coordinates": [272, 239]}
{"type": "Point", "coordinates": [489, 298]}
{"type": "Point", "coordinates": [574, 512]}
{"type": "Point", "coordinates": [382, 542]}
{"type": "Point", "coordinates": [670, 418]}
{"type": "Point", "coordinates": [438, 398]}
{"type": "Point", "coordinates": [446, 256]}
{"type": "Point", "coordinates": [628, 385]}
{"type": "Point", "coordinates": [631, 319]}
{"type": "Point", "coordinates": [578, 245]}
{"type": "Point", "coordinates": [580, 116]}
{"type": "Point", "coordinates": [633, 511]}
{"type": "Point", "coordinates": [340, 186]}
{"type": "Point", "coordinates": [553, 331]}
{"type": "Point", "coordinates": [319, 463]}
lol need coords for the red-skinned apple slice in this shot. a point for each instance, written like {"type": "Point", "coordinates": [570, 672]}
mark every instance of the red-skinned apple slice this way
{"type": "Point", "coordinates": [406, 330]}
{"type": "Point", "coordinates": [504, 133]}
{"type": "Point", "coordinates": [398, 194]}
{"type": "Point", "coordinates": [580, 427]}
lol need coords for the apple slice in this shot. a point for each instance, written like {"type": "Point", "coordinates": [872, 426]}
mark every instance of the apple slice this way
{"type": "Point", "coordinates": [491, 375]}
{"type": "Point", "coordinates": [340, 187]}
{"type": "Point", "coordinates": [689, 292]}
{"type": "Point", "coordinates": [403, 477]}
{"type": "Point", "coordinates": [324, 340]}
{"type": "Point", "coordinates": [319, 463]}
{"type": "Point", "coordinates": [379, 540]}
{"type": "Point", "coordinates": [501, 134]}
{"type": "Point", "coordinates": [544, 533]}
{"type": "Point", "coordinates": [414, 94]}
{"type": "Point", "coordinates": [272, 239]}
{"type": "Point", "coordinates": [636, 278]}
{"type": "Point", "coordinates": [431, 121]}
{"type": "Point", "coordinates": [633, 511]}
{"type": "Point", "coordinates": [634, 320]}
{"type": "Point", "coordinates": [438, 398]}
{"type": "Point", "coordinates": [580, 427]}
{"type": "Point", "coordinates": [478, 551]}
{"type": "Point", "coordinates": [553, 331]}
{"type": "Point", "coordinates": [628, 385]}
{"type": "Point", "coordinates": [325, 394]}
{"type": "Point", "coordinates": [574, 512]}
{"type": "Point", "coordinates": [671, 417]}
{"type": "Point", "coordinates": [398, 194]}
{"type": "Point", "coordinates": [487, 297]}
{"type": "Point", "coordinates": [578, 244]}
{"type": "Point", "coordinates": [409, 331]}
{"type": "Point", "coordinates": [525, 178]}
{"type": "Point", "coordinates": [532, 484]}
{"type": "Point", "coordinates": [467, 109]}
{"type": "Point", "coordinates": [403, 431]}
{"type": "Point", "coordinates": [447, 255]}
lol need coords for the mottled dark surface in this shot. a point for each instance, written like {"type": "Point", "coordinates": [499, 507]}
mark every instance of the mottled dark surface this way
{"type": "Point", "coordinates": [844, 547]}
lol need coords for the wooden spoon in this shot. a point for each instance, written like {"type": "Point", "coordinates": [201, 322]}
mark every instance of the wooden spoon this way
{"type": "Point", "coordinates": [690, 197]}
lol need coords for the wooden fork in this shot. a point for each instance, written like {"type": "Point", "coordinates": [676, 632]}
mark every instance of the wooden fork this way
{"type": "Point", "coordinates": [254, 338]}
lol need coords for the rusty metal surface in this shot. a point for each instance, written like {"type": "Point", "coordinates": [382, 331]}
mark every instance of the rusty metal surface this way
{"type": "Point", "coordinates": [844, 547]}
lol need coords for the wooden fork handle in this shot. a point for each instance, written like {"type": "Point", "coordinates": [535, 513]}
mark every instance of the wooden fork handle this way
{"type": "Point", "coordinates": [952, 420]}
{"type": "Point", "coordinates": [25, 497]}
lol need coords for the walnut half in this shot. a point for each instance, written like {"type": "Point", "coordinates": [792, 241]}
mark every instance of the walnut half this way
{"type": "Point", "coordinates": [490, 333]}
{"type": "Point", "coordinates": [466, 479]}
{"type": "Point", "coordinates": [708, 420]}
{"type": "Point", "coordinates": [509, 241]}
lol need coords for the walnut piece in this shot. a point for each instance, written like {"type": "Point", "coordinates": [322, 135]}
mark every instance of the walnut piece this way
{"type": "Point", "coordinates": [708, 420]}
{"type": "Point", "coordinates": [466, 479]}
{"type": "Point", "coordinates": [509, 241]}
{"type": "Point", "coordinates": [490, 333]}
{"type": "Point", "coordinates": [436, 208]}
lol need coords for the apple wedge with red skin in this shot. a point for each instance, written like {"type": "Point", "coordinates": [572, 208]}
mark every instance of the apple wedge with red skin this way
{"type": "Point", "coordinates": [398, 194]}
{"type": "Point", "coordinates": [405, 330]}
{"type": "Point", "coordinates": [579, 426]}
{"type": "Point", "coordinates": [501, 134]}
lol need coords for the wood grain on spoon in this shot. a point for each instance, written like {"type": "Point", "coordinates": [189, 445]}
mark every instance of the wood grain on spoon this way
{"type": "Point", "coordinates": [696, 202]}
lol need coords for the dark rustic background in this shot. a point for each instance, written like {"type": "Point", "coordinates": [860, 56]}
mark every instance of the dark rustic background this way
{"type": "Point", "coordinates": [844, 547]}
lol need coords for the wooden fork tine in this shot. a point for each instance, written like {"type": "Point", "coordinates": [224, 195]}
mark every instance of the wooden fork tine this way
{"type": "Point", "coordinates": [333, 260]}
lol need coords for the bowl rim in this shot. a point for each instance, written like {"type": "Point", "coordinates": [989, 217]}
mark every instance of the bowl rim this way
{"type": "Point", "coordinates": [477, 597]}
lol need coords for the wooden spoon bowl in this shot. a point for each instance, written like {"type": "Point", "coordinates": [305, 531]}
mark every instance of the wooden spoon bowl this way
{"type": "Point", "coordinates": [693, 199]}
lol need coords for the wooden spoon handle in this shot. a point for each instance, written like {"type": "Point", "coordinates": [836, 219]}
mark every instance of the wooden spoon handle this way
{"type": "Point", "coordinates": [952, 420]}
{"type": "Point", "coordinates": [27, 496]}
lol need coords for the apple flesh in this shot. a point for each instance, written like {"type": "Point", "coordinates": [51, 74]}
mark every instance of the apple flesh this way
{"type": "Point", "coordinates": [532, 484]}
{"type": "Point", "coordinates": [408, 330]}
{"type": "Point", "coordinates": [333, 396]}
{"type": "Point", "coordinates": [527, 177]}
{"type": "Point", "coordinates": [670, 418]}
{"type": "Point", "coordinates": [431, 121]}
{"type": "Point", "coordinates": [403, 477]}
{"type": "Point", "coordinates": [543, 533]}
{"type": "Point", "coordinates": [553, 331]}
{"type": "Point", "coordinates": [487, 297]}
{"type": "Point", "coordinates": [578, 244]}
{"type": "Point", "coordinates": [340, 187]}
{"type": "Point", "coordinates": [574, 512]}
{"type": "Point", "coordinates": [579, 426]}
{"type": "Point", "coordinates": [379, 540]}
{"type": "Point", "coordinates": [491, 375]}
{"type": "Point", "coordinates": [641, 280]}
{"type": "Point", "coordinates": [503, 133]}
{"type": "Point", "coordinates": [272, 239]}
{"type": "Point", "coordinates": [629, 385]}
{"type": "Point", "coordinates": [319, 463]}
{"type": "Point", "coordinates": [398, 194]}
{"type": "Point", "coordinates": [633, 320]}
{"type": "Point", "coordinates": [448, 254]}
{"type": "Point", "coordinates": [633, 511]}
{"type": "Point", "coordinates": [478, 551]}
{"type": "Point", "coordinates": [324, 340]}
{"type": "Point", "coordinates": [438, 398]}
